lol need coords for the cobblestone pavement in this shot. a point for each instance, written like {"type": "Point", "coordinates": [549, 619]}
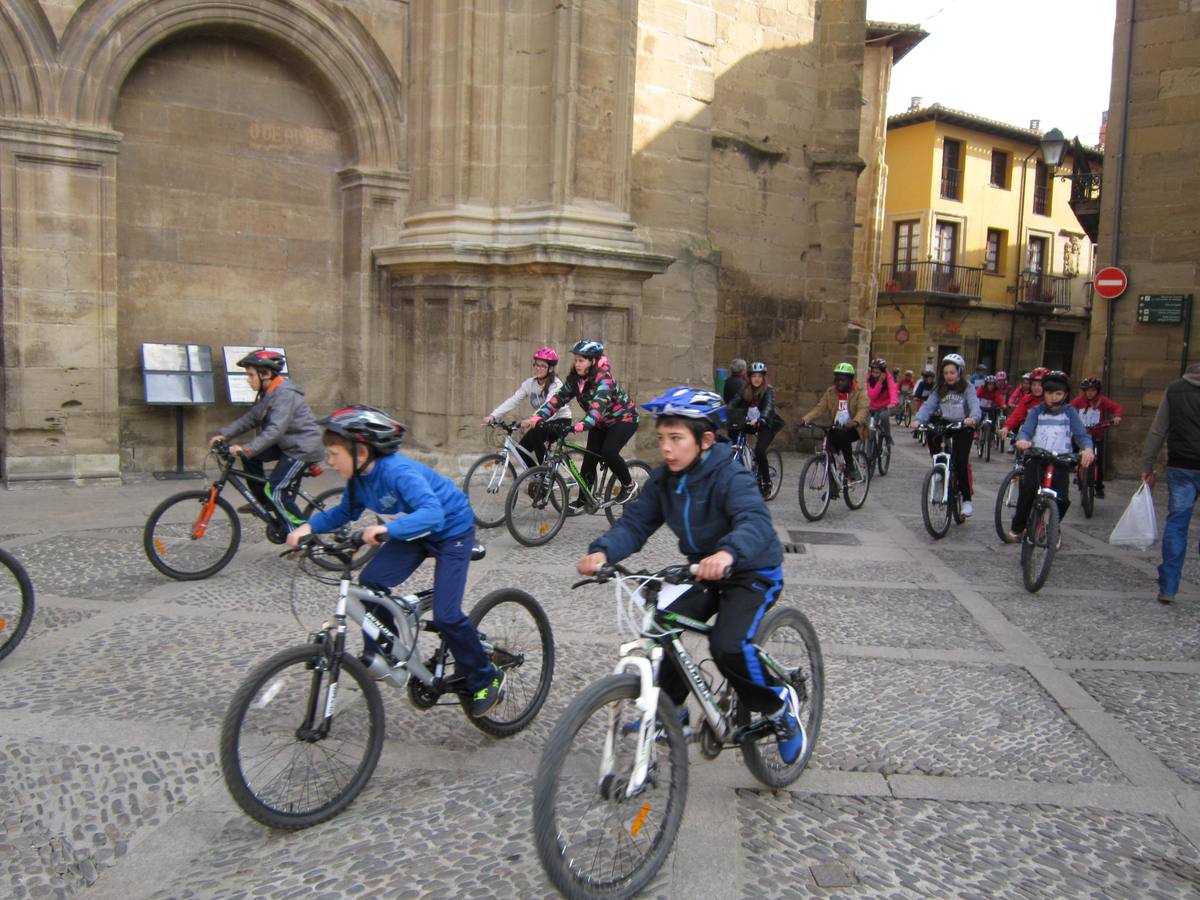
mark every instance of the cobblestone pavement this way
{"type": "Point", "coordinates": [978, 740]}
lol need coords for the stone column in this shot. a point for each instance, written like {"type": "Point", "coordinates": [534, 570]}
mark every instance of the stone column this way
{"type": "Point", "coordinates": [58, 257]}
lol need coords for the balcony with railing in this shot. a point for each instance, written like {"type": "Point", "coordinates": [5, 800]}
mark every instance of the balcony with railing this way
{"type": "Point", "coordinates": [932, 278]}
{"type": "Point", "coordinates": [1040, 289]}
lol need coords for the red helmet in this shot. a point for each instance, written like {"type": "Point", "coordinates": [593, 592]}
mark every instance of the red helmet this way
{"type": "Point", "coordinates": [546, 354]}
{"type": "Point", "coordinates": [263, 359]}
{"type": "Point", "coordinates": [1039, 373]}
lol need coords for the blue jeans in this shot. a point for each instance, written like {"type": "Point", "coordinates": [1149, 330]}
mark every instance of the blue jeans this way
{"type": "Point", "coordinates": [1183, 487]}
{"type": "Point", "coordinates": [396, 560]}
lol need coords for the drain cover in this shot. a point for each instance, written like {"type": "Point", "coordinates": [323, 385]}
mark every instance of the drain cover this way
{"type": "Point", "coordinates": [793, 548]}
{"type": "Point", "coordinates": [836, 538]}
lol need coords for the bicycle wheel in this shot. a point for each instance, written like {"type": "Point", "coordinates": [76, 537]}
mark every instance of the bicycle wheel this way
{"type": "Point", "coordinates": [855, 493]}
{"type": "Point", "coordinates": [327, 500]}
{"type": "Point", "coordinates": [884, 460]}
{"type": "Point", "coordinates": [934, 509]}
{"type": "Point", "coordinates": [592, 840]}
{"type": "Point", "coordinates": [815, 480]}
{"type": "Point", "coordinates": [192, 535]}
{"type": "Point", "coordinates": [280, 772]}
{"type": "Point", "coordinates": [793, 656]}
{"type": "Point", "coordinates": [1006, 503]}
{"type": "Point", "coordinates": [774, 472]}
{"type": "Point", "coordinates": [908, 415]}
{"type": "Point", "coordinates": [639, 472]}
{"type": "Point", "coordinates": [517, 639]}
{"type": "Point", "coordinates": [1087, 491]}
{"type": "Point", "coordinates": [536, 506]}
{"type": "Point", "coordinates": [1039, 544]}
{"type": "Point", "coordinates": [486, 486]}
{"type": "Point", "coordinates": [16, 603]}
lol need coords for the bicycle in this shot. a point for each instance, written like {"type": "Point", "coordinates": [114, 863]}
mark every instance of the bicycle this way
{"type": "Point", "coordinates": [486, 482]}
{"type": "Point", "coordinates": [904, 412]}
{"type": "Point", "coordinates": [299, 741]}
{"type": "Point", "coordinates": [744, 454]}
{"type": "Point", "coordinates": [824, 472]}
{"type": "Point", "coordinates": [1007, 495]}
{"type": "Point", "coordinates": [611, 785]}
{"type": "Point", "coordinates": [538, 502]}
{"type": "Point", "coordinates": [983, 437]}
{"type": "Point", "coordinates": [1039, 543]}
{"type": "Point", "coordinates": [194, 534]}
{"type": "Point", "coordinates": [16, 602]}
{"type": "Point", "coordinates": [1086, 477]}
{"type": "Point", "coordinates": [940, 500]}
{"type": "Point", "coordinates": [879, 450]}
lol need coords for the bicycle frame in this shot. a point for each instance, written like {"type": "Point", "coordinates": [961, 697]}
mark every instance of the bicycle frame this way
{"type": "Point", "coordinates": [559, 458]}
{"type": "Point", "coordinates": [239, 479]}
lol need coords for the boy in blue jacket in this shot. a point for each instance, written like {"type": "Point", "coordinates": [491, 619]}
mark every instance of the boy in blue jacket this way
{"type": "Point", "coordinates": [428, 516]}
{"type": "Point", "coordinates": [713, 506]}
{"type": "Point", "coordinates": [1051, 425]}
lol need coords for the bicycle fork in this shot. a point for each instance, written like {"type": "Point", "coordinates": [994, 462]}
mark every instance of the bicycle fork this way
{"type": "Point", "coordinates": [647, 704]}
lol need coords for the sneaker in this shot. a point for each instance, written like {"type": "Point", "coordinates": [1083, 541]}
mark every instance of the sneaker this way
{"type": "Point", "coordinates": [484, 700]}
{"type": "Point", "coordinates": [1165, 599]}
{"type": "Point", "coordinates": [968, 508]}
{"type": "Point", "coordinates": [789, 733]}
{"type": "Point", "coordinates": [576, 507]}
{"type": "Point", "coordinates": [628, 492]}
{"type": "Point", "coordinates": [852, 475]}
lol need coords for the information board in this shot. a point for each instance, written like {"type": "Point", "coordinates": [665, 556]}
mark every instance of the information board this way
{"type": "Point", "coordinates": [1162, 309]}
{"type": "Point", "coordinates": [240, 392]}
{"type": "Point", "coordinates": [177, 374]}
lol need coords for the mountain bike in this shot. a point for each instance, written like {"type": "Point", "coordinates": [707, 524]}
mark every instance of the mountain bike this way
{"type": "Point", "coordinates": [16, 603]}
{"type": "Point", "coordinates": [539, 501]}
{"type": "Point", "coordinates": [300, 739]}
{"type": "Point", "coordinates": [879, 451]}
{"type": "Point", "coordinates": [744, 454]}
{"type": "Point", "coordinates": [904, 411]}
{"type": "Point", "coordinates": [487, 481]}
{"type": "Point", "coordinates": [1007, 496]}
{"type": "Point", "coordinates": [1040, 541]}
{"type": "Point", "coordinates": [823, 478]}
{"type": "Point", "coordinates": [984, 437]}
{"type": "Point", "coordinates": [194, 534]}
{"type": "Point", "coordinates": [1085, 477]}
{"type": "Point", "coordinates": [940, 500]}
{"type": "Point", "coordinates": [611, 785]}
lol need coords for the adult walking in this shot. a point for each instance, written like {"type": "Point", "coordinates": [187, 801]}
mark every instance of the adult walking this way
{"type": "Point", "coordinates": [1178, 423]}
{"type": "Point", "coordinates": [735, 383]}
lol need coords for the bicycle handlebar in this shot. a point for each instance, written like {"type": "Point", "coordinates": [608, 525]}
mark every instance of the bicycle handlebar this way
{"type": "Point", "coordinates": [677, 574]}
{"type": "Point", "coordinates": [509, 427]}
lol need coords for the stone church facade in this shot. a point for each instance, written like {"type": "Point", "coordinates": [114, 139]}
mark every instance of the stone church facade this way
{"type": "Point", "coordinates": [409, 197]}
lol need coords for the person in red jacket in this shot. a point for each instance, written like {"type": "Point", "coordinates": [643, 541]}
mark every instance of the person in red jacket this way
{"type": "Point", "coordinates": [1098, 413]}
{"type": "Point", "coordinates": [1017, 394]}
{"type": "Point", "coordinates": [1028, 402]}
{"type": "Point", "coordinates": [991, 398]}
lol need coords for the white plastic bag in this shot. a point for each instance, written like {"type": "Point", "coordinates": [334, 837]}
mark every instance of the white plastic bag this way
{"type": "Point", "coordinates": [1137, 526]}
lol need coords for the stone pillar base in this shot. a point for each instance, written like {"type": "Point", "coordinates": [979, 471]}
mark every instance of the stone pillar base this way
{"type": "Point", "coordinates": [76, 467]}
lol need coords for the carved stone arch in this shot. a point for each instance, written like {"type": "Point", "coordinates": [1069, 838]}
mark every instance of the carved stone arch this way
{"type": "Point", "coordinates": [106, 38]}
{"type": "Point", "coordinates": [27, 52]}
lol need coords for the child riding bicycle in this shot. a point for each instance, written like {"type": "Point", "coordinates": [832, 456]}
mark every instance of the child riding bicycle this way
{"type": "Point", "coordinates": [954, 400]}
{"type": "Point", "coordinates": [846, 404]}
{"type": "Point", "coordinates": [1097, 413]}
{"type": "Point", "coordinates": [537, 389]}
{"type": "Point", "coordinates": [289, 434]}
{"type": "Point", "coordinates": [429, 516]}
{"type": "Point", "coordinates": [712, 505]}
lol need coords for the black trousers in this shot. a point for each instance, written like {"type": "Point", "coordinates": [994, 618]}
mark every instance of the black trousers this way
{"type": "Point", "coordinates": [960, 457]}
{"type": "Point", "coordinates": [843, 439]}
{"type": "Point", "coordinates": [536, 439]}
{"type": "Point", "coordinates": [739, 604]}
{"type": "Point", "coordinates": [764, 435]}
{"type": "Point", "coordinates": [607, 441]}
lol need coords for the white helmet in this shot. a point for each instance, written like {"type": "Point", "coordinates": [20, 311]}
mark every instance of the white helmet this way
{"type": "Point", "coordinates": [956, 359]}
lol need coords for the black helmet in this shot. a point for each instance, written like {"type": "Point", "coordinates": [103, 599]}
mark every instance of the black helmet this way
{"type": "Point", "coordinates": [588, 348]}
{"type": "Point", "coordinates": [263, 359]}
{"type": "Point", "coordinates": [758, 368]}
{"type": "Point", "coordinates": [366, 425]}
{"type": "Point", "coordinates": [1092, 382]}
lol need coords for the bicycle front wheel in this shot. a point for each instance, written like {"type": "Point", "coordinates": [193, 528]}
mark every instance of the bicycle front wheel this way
{"type": "Point", "coordinates": [517, 639]}
{"type": "Point", "coordinates": [640, 473]}
{"type": "Point", "coordinates": [935, 504]}
{"type": "Point", "coordinates": [987, 443]}
{"type": "Point", "coordinates": [486, 486]}
{"type": "Point", "coordinates": [536, 506]}
{"type": "Point", "coordinates": [1006, 504]}
{"type": "Point", "coordinates": [884, 460]}
{"type": "Point", "coordinates": [815, 480]}
{"type": "Point", "coordinates": [327, 500]}
{"type": "Point", "coordinates": [192, 535]}
{"type": "Point", "coordinates": [594, 841]}
{"type": "Point", "coordinates": [791, 653]}
{"type": "Point", "coordinates": [279, 768]}
{"type": "Point", "coordinates": [16, 603]}
{"type": "Point", "coordinates": [1087, 491]}
{"type": "Point", "coordinates": [1039, 545]}
{"type": "Point", "coordinates": [855, 492]}
{"type": "Point", "coordinates": [774, 472]}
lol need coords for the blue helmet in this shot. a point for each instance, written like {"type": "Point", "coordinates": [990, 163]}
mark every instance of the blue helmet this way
{"type": "Point", "coordinates": [588, 348]}
{"type": "Point", "coordinates": [688, 403]}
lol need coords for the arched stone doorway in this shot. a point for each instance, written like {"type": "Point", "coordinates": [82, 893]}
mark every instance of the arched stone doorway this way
{"type": "Point", "coordinates": [229, 224]}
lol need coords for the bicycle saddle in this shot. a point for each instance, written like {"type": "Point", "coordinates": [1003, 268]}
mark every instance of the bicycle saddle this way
{"type": "Point", "coordinates": [478, 552]}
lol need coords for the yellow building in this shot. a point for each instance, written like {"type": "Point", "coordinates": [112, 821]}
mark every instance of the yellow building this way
{"type": "Point", "coordinates": [982, 253]}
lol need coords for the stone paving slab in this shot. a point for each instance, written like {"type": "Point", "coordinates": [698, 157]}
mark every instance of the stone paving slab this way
{"type": "Point", "coordinates": [916, 848]}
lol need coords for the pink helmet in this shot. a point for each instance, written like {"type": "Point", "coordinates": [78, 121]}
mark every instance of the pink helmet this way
{"type": "Point", "coordinates": [1002, 376]}
{"type": "Point", "coordinates": [546, 354]}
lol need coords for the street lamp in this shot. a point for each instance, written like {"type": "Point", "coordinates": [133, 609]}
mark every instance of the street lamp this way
{"type": "Point", "coordinates": [1053, 147]}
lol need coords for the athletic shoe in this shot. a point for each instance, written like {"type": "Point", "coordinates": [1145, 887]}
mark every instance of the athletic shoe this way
{"type": "Point", "coordinates": [1165, 599]}
{"type": "Point", "coordinates": [789, 733]}
{"type": "Point", "coordinates": [484, 700]}
{"type": "Point", "coordinates": [576, 507]}
{"type": "Point", "coordinates": [968, 508]}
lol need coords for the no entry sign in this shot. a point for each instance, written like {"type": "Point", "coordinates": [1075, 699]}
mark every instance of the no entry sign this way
{"type": "Point", "coordinates": [1111, 282]}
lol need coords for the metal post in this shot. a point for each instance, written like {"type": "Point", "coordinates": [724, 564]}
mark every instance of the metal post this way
{"type": "Point", "coordinates": [1012, 331]}
{"type": "Point", "coordinates": [1187, 335]}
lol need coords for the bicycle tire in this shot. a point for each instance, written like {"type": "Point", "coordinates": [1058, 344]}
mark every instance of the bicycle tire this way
{"type": "Point", "coordinates": [850, 493]}
{"type": "Point", "coordinates": [774, 472]}
{"type": "Point", "coordinates": [908, 414]}
{"type": "Point", "coordinates": [531, 503]}
{"type": "Point", "coordinates": [818, 480]}
{"type": "Point", "coordinates": [511, 651]}
{"type": "Point", "coordinates": [935, 514]}
{"type": "Point", "coordinates": [1087, 492]}
{"type": "Point", "coordinates": [883, 462]}
{"type": "Point", "coordinates": [807, 676]}
{"type": "Point", "coordinates": [1039, 544]}
{"type": "Point", "coordinates": [235, 735]}
{"type": "Point", "coordinates": [16, 595]}
{"type": "Point", "coordinates": [987, 447]}
{"type": "Point", "coordinates": [639, 472]}
{"type": "Point", "coordinates": [365, 554]}
{"type": "Point", "coordinates": [1006, 503]}
{"type": "Point", "coordinates": [578, 785]}
{"type": "Point", "coordinates": [169, 533]}
{"type": "Point", "coordinates": [486, 486]}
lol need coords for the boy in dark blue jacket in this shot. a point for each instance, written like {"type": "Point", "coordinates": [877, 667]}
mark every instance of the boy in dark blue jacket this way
{"type": "Point", "coordinates": [713, 506]}
{"type": "Point", "coordinates": [429, 516]}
